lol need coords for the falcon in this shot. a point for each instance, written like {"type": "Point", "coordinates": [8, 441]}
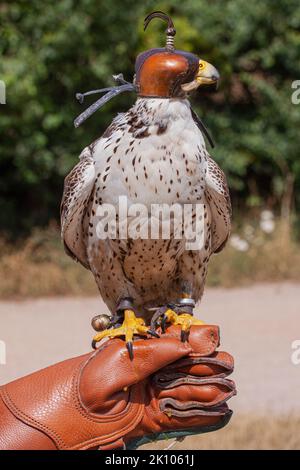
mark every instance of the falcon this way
{"type": "Point", "coordinates": [155, 153]}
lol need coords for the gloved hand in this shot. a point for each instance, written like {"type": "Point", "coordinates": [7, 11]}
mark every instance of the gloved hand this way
{"type": "Point", "coordinates": [104, 400]}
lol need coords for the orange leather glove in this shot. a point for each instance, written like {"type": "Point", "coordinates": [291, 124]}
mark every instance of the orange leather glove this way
{"type": "Point", "coordinates": [103, 400]}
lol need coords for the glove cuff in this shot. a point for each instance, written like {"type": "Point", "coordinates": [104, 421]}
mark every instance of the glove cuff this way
{"type": "Point", "coordinates": [166, 435]}
{"type": "Point", "coordinates": [49, 401]}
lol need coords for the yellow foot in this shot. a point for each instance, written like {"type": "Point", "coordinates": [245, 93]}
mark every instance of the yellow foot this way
{"type": "Point", "coordinates": [131, 326]}
{"type": "Point", "coordinates": [185, 320]}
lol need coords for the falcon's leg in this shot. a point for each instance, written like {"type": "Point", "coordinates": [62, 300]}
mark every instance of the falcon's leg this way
{"type": "Point", "coordinates": [131, 326]}
{"type": "Point", "coordinates": [180, 313]}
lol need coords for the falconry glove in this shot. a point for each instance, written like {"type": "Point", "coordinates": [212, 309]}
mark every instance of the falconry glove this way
{"type": "Point", "coordinates": [104, 400]}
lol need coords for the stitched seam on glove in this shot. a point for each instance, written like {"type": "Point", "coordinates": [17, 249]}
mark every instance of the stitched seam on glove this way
{"type": "Point", "coordinates": [18, 414]}
{"type": "Point", "coordinates": [27, 419]}
{"type": "Point", "coordinates": [133, 410]}
{"type": "Point", "coordinates": [191, 380]}
{"type": "Point", "coordinates": [193, 360]}
{"type": "Point", "coordinates": [97, 418]}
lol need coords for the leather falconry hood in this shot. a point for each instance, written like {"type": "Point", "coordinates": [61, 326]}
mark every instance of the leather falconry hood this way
{"type": "Point", "coordinates": [160, 72]}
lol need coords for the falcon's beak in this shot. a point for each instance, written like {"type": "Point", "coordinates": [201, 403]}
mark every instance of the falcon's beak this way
{"type": "Point", "coordinates": [207, 75]}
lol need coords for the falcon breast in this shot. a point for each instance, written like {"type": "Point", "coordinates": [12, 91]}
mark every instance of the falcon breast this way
{"type": "Point", "coordinates": [155, 153]}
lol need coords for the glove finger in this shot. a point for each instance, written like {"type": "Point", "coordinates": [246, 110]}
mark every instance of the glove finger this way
{"type": "Point", "coordinates": [218, 364]}
{"type": "Point", "coordinates": [203, 339]}
{"type": "Point", "coordinates": [195, 406]}
{"type": "Point", "coordinates": [183, 415]}
{"type": "Point", "coordinates": [202, 370]}
{"type": "Point", "coordinates": [207, 392]}
{"type": "Point", "coordinates": [172, 426]}
{"type": "Point", "coordinates": [118, 372]}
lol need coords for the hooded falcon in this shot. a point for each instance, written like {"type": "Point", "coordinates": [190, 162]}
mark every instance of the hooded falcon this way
{"type": "Point", "coordinates": [155, 153]}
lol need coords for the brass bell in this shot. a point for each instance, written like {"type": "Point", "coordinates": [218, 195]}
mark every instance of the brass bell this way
{"type": "Point", "coordinates": [101, 322]}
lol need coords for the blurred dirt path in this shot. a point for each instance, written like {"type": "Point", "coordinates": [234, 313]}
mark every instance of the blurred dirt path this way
{"type": "Point", "coordinates": [258, 325]}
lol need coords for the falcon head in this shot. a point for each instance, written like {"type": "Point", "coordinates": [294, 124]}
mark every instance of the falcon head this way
{"type": "Point", "coordinates": [170, 73]}
{"type": "Point", "coordinates": [159, 73]}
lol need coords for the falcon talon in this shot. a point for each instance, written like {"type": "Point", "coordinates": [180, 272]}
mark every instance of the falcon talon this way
{"type": "Point", "coordinates": [163, 323]}
{"type": "Point", "coordinates": [153, 333]}
{"type": "Point", "coordinates": [176, 316]}
{"type": "Point", "coordinates": [129, 347]}
{"type": "Point", "coordinates": [184, 335]}
{"type": "Point", "coordinates": [130, 327]}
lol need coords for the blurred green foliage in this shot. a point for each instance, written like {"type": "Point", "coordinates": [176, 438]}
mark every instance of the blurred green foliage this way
{"type": "Point", "coordinates": [51, 50]}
